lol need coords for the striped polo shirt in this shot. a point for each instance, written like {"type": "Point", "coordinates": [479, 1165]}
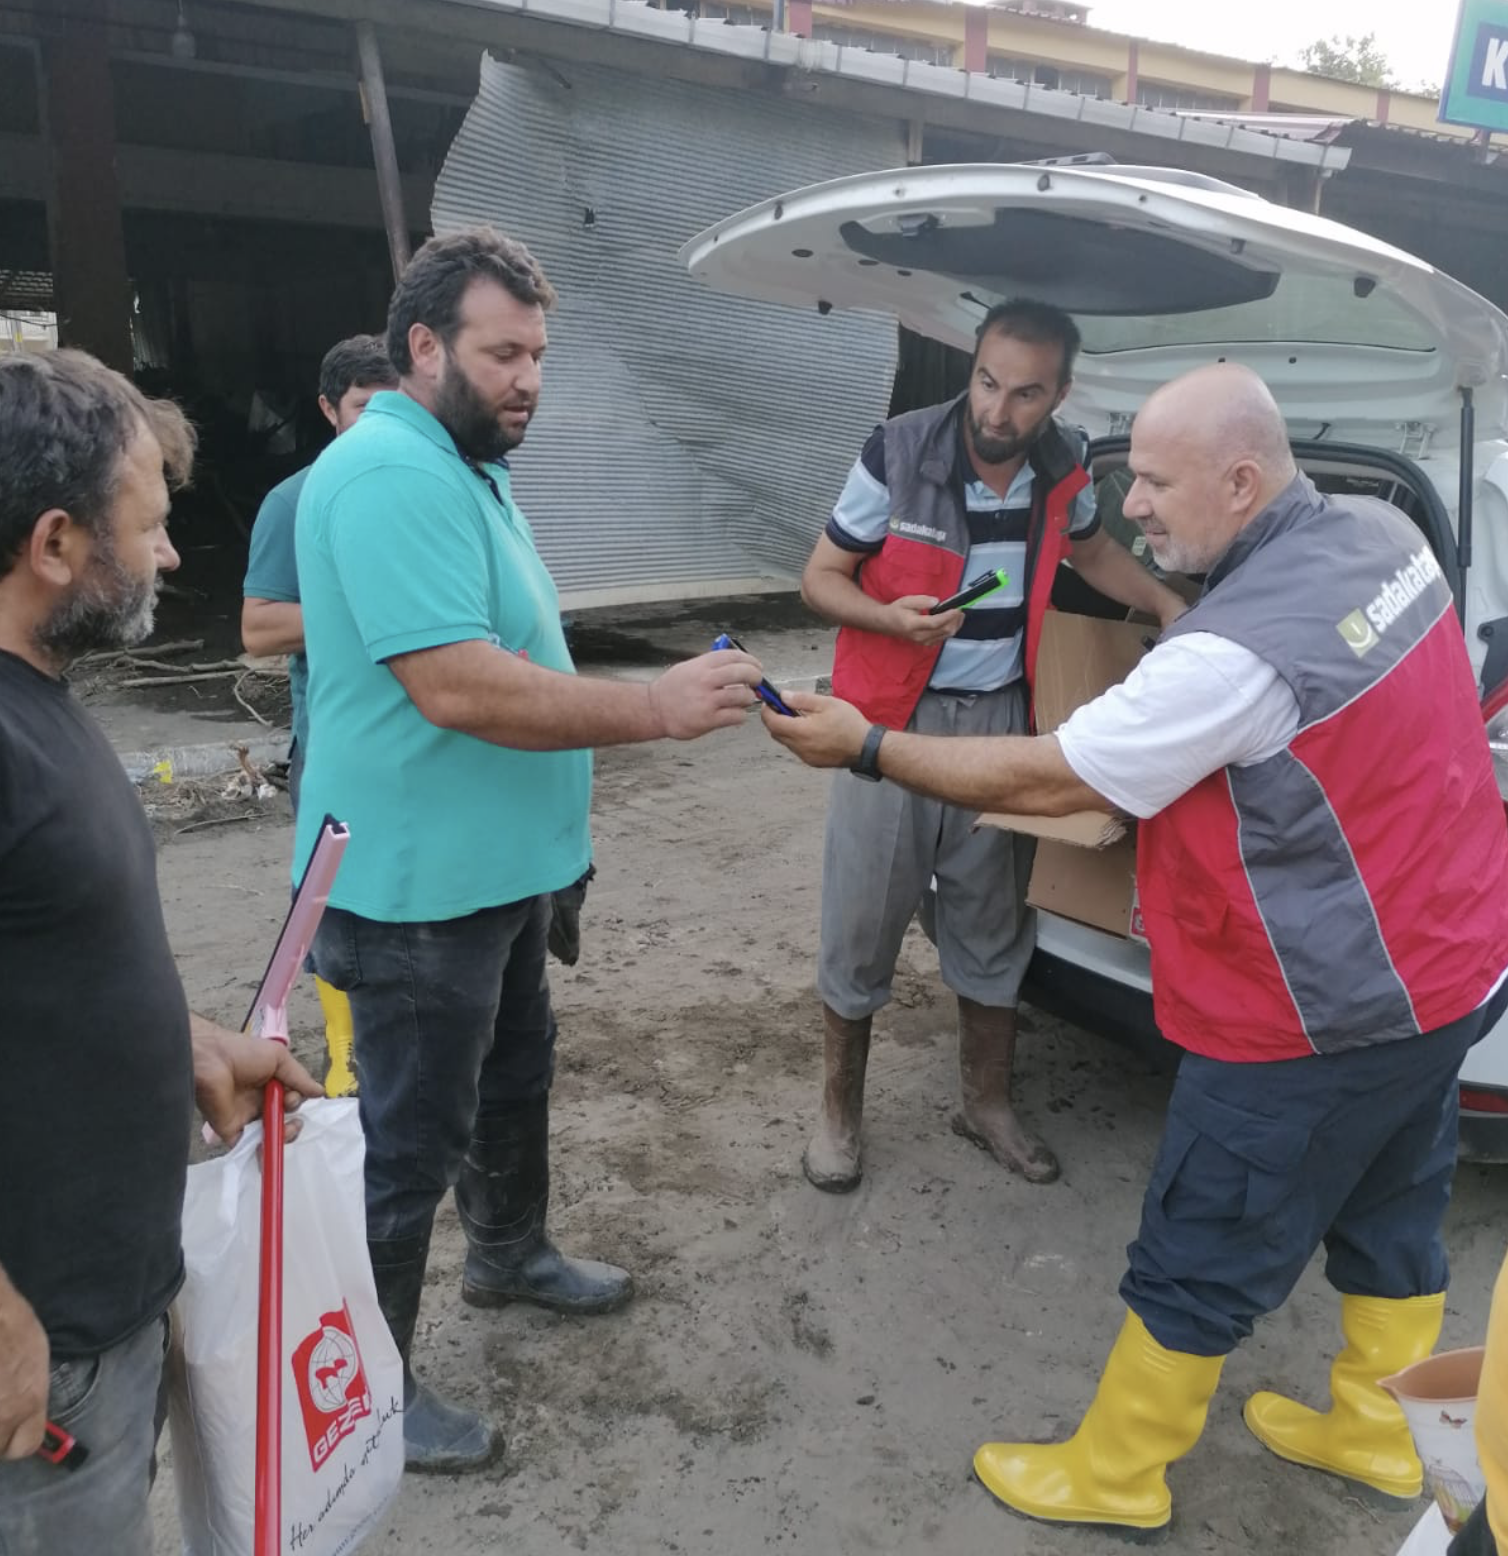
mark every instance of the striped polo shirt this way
{"type": "Point", "coordinates": [982, 661]}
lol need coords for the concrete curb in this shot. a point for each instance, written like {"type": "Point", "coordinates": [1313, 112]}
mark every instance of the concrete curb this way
{"type": "Point", "coordinates": [202, 761]}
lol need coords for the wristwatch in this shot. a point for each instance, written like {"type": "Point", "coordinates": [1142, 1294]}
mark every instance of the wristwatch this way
{"type": "Point", "coordinates": [868, 763]}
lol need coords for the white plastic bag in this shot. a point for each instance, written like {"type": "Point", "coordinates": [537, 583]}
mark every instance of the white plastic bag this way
{"type": "Point", "coordinates": [343, 1379]}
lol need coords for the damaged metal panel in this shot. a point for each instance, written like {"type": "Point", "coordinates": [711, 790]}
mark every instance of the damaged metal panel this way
{"type": "Point", "coordinates": [686, 444]}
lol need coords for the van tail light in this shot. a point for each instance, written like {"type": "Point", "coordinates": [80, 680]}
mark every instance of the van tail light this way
{"type": "Point", "coordinates": [1475, 1100]}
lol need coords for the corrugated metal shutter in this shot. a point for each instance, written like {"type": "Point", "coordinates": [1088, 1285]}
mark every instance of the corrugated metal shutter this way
{"type": "Point", "coordinates": [686, 442]}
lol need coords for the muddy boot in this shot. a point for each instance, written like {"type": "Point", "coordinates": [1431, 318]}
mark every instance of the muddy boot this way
{"type": "Point", "coordinates": [503, 1195]}
{"type": "Point", "coordinates": [831, 1162]}
{"type": "Point", "coordinates": [438, 1438]}
{"type": "Point", "coordinates": [986, 1056]}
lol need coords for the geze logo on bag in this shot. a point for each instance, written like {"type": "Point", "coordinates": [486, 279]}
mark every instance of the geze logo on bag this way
{"type": "Point", "coordinates": [332, 1385]}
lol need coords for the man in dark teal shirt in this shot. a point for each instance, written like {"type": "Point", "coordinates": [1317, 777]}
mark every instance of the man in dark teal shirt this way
{"type": "Point", "coordinates": [272, 617]}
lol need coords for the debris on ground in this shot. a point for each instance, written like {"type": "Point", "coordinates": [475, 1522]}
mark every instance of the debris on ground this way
{"type": "Point", "coordinates": [259, 686]}
{"type": "Point", "coordinates": [248, 793]}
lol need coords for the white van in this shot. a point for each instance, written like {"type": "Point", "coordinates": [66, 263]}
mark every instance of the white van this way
{"type": "Point", "coordinates": [1391, 376]}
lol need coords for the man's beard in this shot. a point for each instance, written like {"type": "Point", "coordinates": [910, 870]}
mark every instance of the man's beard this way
{"type": "Point", "coordinates": [469, 419]}
{"type": "Point", "coordinates": [1180, 556]}
{"type": "Point", "coordinates": [111, 608]}
{"type": "Point", "coordinates": [997, 451]}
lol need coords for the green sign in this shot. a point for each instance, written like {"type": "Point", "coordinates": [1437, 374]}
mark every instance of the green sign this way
{"type": "Point", "coordinates": [1476, 84]}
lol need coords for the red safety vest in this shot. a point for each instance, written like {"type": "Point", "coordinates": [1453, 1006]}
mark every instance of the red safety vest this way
{"type": "Point", "coordinates": [1352, 889]}
{"type": "Point", "coordinates": [926, 552]}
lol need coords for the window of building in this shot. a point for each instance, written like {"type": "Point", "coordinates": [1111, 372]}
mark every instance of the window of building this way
{"type": "Point", "coordinates": [929, 51]}
{"type": "Point", "coordinates": [1153, 94]}
{"type": "Point", "coordinates": [1034, 72]}
{"type": "Point", "coordinates": [739, 15]}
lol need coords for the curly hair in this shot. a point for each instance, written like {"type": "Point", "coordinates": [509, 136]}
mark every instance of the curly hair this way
{"type": "Point", "coordinates": [431, 287]}
{"type": "Point", "coordinates": [66, 421]}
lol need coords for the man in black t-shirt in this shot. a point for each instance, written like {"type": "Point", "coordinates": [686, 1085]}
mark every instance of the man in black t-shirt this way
{"type": "Point", "coordinates": [101, 1057]}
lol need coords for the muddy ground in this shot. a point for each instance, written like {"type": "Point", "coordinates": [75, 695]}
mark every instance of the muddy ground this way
{"type": "Point", "coordinates": [799, 1372]}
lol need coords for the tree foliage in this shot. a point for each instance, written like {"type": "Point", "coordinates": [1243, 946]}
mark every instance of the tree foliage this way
{"type": "Point", "coordinates": [1350, 59]}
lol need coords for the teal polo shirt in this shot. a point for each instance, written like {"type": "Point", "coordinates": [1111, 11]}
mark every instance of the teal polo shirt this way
{"type": "Point", "coordinates": [403, 546]}
{"type": "Point", "coordinates": [272, 574]}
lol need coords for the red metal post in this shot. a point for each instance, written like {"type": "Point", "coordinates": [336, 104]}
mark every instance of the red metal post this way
{"type": "Point", "coordinates": [976, 40]}
{"type": "Point", "coordinates": [1261, 88]}
{"type": "Point", "coordinates": [268, 1520]}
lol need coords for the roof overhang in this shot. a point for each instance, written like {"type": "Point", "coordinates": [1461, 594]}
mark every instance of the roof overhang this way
{"type": "Point", "coordinates": [852, 78]}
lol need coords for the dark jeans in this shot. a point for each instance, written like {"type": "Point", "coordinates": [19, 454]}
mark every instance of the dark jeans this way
{"type": "Point", "coordinates": [114, 1404]}
{"type": "Point", "coordinates": [1261, 1163]}
{"type": "Point", "coordinates": [451, 1019]}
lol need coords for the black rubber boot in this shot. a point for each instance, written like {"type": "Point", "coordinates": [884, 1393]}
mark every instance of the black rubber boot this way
{"type": "Point", "coordinates": [503, 1196]}
{"type": "Point", "coordinates": [438, 1438]}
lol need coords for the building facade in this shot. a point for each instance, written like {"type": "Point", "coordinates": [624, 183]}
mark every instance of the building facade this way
{"type": "Point", "coordinates": [1052, 43]}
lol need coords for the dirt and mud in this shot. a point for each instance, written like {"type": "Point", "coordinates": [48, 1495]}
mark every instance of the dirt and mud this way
{"type": "Point", "coordinates": [798, 1373]}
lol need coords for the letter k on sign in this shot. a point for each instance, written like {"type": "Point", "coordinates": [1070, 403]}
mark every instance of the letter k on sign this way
{"type": "Point", "coordinates": [1495, 65]}
{"type": "Point", "coordinates": [1476, 80]}
{"type": "Point", "coordinates": [1488, 78]}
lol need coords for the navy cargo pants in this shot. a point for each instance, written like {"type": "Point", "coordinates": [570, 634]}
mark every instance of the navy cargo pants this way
{"type": "Point", "coordinates": [1261, 1163]}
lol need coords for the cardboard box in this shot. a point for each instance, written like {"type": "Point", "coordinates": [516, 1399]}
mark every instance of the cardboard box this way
{"type": "Point", "coordinates": [1094, 886]}
{"type": "Point", "coordinates": [1086, 862]}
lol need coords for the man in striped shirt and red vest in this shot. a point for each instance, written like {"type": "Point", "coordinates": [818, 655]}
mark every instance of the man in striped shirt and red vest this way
{"type": "Point", "coordinates": [989, 481]}
{"type": "Point", "coordinates": [1322, 868]}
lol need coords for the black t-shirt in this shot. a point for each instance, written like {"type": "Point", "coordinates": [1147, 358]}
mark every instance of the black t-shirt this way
{"type": "Point", "coordinates": [96, 1070]}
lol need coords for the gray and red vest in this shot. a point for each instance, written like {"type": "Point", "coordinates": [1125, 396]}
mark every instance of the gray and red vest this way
{"type": "Point", "coordinates": [926, 551]}
{"type": "Point", "coordinates": [1352, 889]}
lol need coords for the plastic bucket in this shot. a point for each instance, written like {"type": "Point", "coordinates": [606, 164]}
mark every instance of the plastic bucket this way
{"type": "Point", "coordinates": [1439, 1400]}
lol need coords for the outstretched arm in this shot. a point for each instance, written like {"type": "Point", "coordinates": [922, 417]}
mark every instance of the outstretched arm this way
{"type": "Point", "coordinates": [1022, 773]}
{"type": "Point", "coordinates": [481, 690]}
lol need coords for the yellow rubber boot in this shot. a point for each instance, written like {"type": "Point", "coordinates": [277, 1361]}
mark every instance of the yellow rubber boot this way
{"type": "Point", "coordinates": [340, 1078]}
{"type": "Point", "coordinates": [1363, 1435]}
{"type": "Point", "coordinates": [1149, 1411]}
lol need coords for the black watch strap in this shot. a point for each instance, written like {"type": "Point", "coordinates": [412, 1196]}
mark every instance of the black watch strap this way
{"type": "Point", "coordinates": [868, 763]}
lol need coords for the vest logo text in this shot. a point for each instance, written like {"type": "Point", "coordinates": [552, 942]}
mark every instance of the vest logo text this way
{"type": "Point", "coordinates": [921, 531]}
{"type": "Point", "coordinates": [1363, 629]}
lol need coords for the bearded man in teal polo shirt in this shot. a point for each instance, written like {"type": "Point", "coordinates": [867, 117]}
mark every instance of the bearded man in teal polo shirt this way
{"type": "Point", "coordinates": [455, 740]}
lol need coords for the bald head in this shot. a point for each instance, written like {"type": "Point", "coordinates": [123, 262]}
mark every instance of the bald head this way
{"type": "Point", "coordinates": [1209, 452]}
{"type": "Point", "coordinates": [1230, 414]}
